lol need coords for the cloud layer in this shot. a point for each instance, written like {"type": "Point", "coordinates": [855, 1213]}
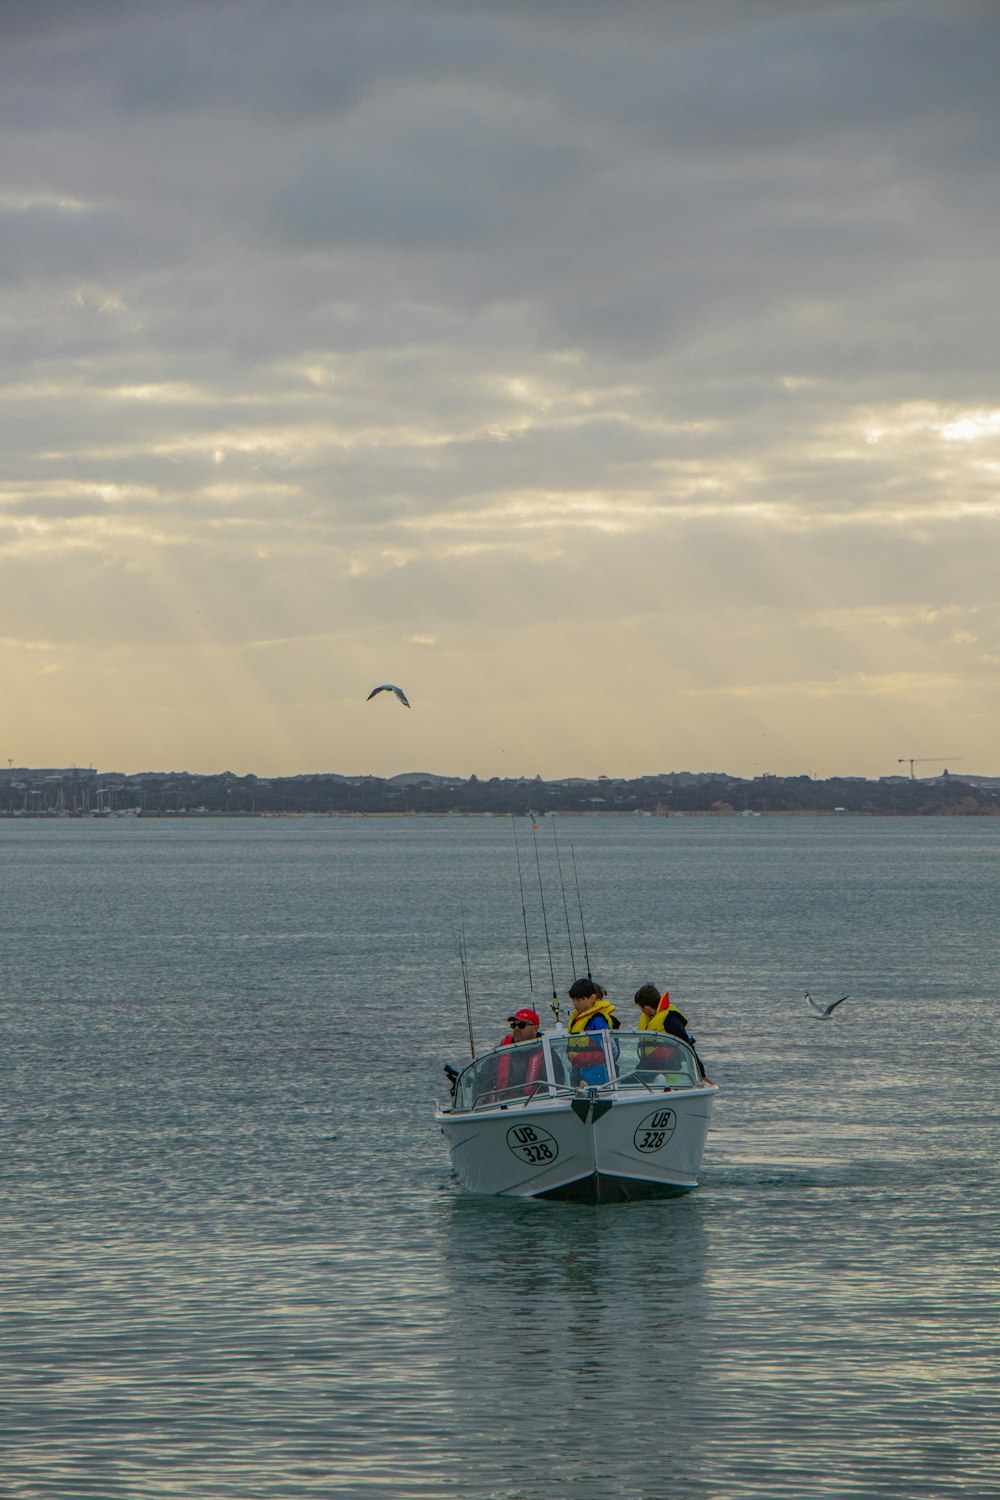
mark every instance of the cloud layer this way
{"type": "Point", "coordinates": [622, 379]}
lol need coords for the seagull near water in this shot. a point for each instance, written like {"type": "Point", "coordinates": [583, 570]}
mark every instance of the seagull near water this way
{"type": "Point", "coordinates": [388, 687]}
{"type": "Point", "coordinates": [824, 1012]}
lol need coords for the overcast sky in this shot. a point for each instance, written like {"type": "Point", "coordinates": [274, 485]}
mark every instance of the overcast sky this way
{"type": "Point", "coordinates": [620, 377]}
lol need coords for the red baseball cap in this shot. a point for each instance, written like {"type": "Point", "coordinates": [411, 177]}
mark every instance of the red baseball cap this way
{"type": "Point", "coordinates": [526, 1015]}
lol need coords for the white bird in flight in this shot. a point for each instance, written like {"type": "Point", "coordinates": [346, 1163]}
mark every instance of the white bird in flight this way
{"type": "Point", "coordinates": [824, 1012]}
{"type": "Point", "coordinates": [387, 687]}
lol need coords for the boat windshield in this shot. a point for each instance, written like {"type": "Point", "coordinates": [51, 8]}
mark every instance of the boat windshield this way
{"type": "Point", "coordinates": [652, 1059]}
{"type": "Point", "coordinates": [506, 1075]}
{"type": "Point", "coordinates": [625, 1059]}
{"type": "Point", "coordinates": [561, 1065]}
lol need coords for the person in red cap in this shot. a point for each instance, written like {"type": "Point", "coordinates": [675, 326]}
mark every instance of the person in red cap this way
{"type": "Point", "coordinates": [522, 1069]}
{"type": "Point", "coordinates": [524, 1025]}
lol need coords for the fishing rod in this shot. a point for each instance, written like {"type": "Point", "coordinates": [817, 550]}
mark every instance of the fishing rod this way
{"type": "Point", "coordinates": [562, 887]}
{"type": "Point", "coordinates": [464, 961]}
{"type": "Point", "coordinates": [524, 914]}
{"type": "Point", "coordinates": [579, 903]}
{"type": "Point", "coordinates": [545, 921]}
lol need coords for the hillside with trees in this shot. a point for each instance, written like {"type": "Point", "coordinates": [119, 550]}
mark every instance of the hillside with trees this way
{"type": "Point", "coordinates": [76, 792]}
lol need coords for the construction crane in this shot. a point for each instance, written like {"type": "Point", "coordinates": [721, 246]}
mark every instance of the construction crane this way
{"type": "Point", "coordinates": [918, 760]}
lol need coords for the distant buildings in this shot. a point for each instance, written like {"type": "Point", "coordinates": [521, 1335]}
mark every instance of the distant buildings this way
{"type": "Point", "coordinates": [86, 792]}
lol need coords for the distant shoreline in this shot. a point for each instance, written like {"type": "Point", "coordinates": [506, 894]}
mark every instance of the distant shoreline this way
{"type": "Point", "coordinates": [441, 817]}
{"type": "Point", "coordinates": [49, 793]}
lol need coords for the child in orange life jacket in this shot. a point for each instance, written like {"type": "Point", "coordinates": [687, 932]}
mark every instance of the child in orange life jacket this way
{"type": "Point", "coordinates": [658, 1014]}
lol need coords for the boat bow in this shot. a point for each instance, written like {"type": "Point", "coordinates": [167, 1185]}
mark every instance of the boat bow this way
{"type": "Point", "coordinates": [591, 1116]}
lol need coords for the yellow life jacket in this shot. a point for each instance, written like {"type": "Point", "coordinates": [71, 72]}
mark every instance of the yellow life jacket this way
{"type": "Point", "coordinates": [578, 1020]}
{"type": "Point", "coordinates": [652, 1054]}
{"type": "Point", "coordinates": [658, 1022]}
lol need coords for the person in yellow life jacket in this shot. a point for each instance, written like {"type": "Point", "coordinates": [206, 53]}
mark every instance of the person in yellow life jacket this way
{"type": "Point", "coordinates": [658, 1013]}
{"type": "Point", "coordinates": [592, 1012]}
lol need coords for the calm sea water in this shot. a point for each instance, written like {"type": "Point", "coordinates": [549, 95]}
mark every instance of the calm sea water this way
{"type": "Point", "coordinates": [235, 1263]}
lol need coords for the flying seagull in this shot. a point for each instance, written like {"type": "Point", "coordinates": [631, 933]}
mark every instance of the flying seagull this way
{"type": "Point", "coordinates": [387, 687]}
{"type": "Point", "coordinates": [823, 1013]}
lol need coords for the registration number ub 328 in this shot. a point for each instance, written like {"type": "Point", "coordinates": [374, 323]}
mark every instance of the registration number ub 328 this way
{"type": "Point", "coordinates": [655, 1130]}
{"type": "Point", "coordinates": [533, 1145]}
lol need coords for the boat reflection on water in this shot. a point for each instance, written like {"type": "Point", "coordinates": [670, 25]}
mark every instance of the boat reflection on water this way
{"type": "Point", "coordinates": [557, 1317]}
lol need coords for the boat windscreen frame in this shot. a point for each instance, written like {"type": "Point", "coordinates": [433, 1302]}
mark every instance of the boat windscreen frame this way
{"type": "Point", "coordinates": [547, 1087]}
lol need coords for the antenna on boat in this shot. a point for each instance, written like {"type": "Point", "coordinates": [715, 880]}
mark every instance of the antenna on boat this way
{"type": "Point", "coordinates": [524, 914]}
{"type": "Point", "coordinates": [464, 961]}
{"type": "Point", "coordinates": [545, 921]}
{"type": "Point", "coordinates": [562, 887]}
{"type": "Point", "coordinates": [579, 903]}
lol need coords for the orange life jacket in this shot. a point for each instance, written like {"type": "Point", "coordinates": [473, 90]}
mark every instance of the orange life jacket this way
{"type": "Point", "coordinates": [532, 1070]}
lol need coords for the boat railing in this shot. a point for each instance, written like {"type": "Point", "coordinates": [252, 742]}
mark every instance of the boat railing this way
{"type": "Point", "coordinates": [522, 1095]}
{"type": "Point", "coordinates": [564, 1066]}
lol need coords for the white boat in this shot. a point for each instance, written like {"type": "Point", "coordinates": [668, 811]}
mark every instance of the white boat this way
{"type": "Point", "coordinates": [631, 1124]}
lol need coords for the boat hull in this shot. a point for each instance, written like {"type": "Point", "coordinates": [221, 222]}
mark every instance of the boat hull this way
{"type": "Point", "coordinates": [590, 1149]}
{"type": "Point", "coordinates": [600, 1188]}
